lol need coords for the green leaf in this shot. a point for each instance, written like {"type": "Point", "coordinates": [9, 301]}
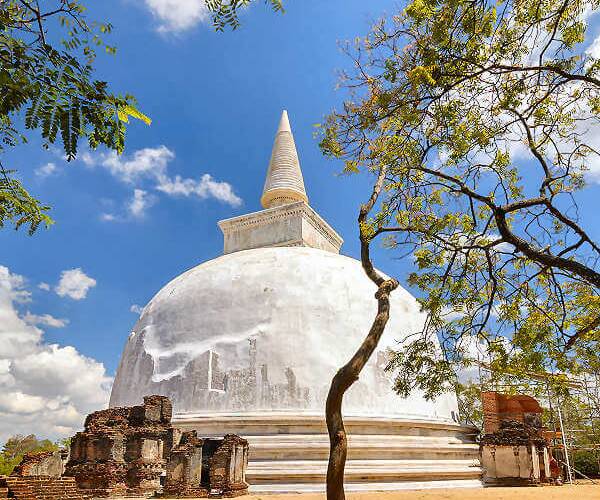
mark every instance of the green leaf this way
{"type": "Point", "coordinates": [128, 110]}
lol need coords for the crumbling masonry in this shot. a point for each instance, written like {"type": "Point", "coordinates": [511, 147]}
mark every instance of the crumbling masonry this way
{"type": "Point", "coordinates": [136, 451]}
{"type": "Point", "coordinates": [513, 449]}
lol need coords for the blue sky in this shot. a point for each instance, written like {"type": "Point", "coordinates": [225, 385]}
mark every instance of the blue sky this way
{"type": "Point", "coordinates": [126, 226]}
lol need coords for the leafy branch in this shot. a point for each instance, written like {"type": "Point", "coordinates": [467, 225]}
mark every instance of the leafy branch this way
{"type": "Point", "coordinates": [484, 114]}
{"type": "Point", "coordinates": [53, 89]}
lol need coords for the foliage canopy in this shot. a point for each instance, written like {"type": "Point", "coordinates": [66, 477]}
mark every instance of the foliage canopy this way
{"type": "Point", "coordinates": [226, 13]}
{"type": "Point", "coordinates": [484, 114]}
{"type": "Point", "coordinates": [47, 84]}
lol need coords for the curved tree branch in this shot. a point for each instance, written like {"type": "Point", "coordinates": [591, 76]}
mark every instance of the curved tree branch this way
{"type": "Point", "coordinates": [582, 331]}
{"type": "Point", "coordinates": [542, 257]}
{"type": "Point", "coordinates": [349, 373]}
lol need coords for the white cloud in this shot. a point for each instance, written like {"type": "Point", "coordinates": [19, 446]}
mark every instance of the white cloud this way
{"type": "Point", "coordinates": [45, 389]}
{"type": "Point", "coordinates": [206, 187]}
{"type": "Point", "coordinates": [108, 217]}
{"type": "Point", "coordinates": [177, 15]}
{"type": "Point", "coordinates": [46, 170]}
{"type": "Point", "coordinates": [147, 162]}
{"type": "Point", "coordinates": [17, 283]}
{"type": "Point", "coordinates": [594, 49]}
{"type": "Point", "coordinates": [87, 158]}
{"type": "Point", "coordinates": [591, 137]}
{"type": "Point", "coordinates": [477, 355]}
{"type": "Point", "coordinates": [74, 283]}
{"type": "Point", "coordinates": [44, 286]}
{"type": "Point", "coordinates": [44, 319]}
{"type": "Point", "coordinates": [150, 165]}
{"type": "Point", "coordinates": [136, 309]}
{"type": "Point", "coordinates": [17, 402]}
{"type": "Point", "coordinates": [139, 203]}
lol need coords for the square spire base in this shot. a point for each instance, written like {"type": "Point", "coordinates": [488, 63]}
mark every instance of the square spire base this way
{"type": "Point", "coordinates": [294, 224]}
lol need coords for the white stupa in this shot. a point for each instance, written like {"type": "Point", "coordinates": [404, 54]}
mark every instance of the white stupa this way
{"type": "Point", "coordinates": [248, 343]}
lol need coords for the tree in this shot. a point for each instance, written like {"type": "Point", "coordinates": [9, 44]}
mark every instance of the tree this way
{"type": "Point", "coordinates": [47, 82]}
{"type": "Point", "coordinates": [477, 119]}
{"type": "Point", "coordinates": [468, 395]}
{"type": "Point", "coordinates": [225, 13]}
{"type": "Point", "coordinates": [17, 446]}
{"type": "Point", "coordinates": [349, 373]}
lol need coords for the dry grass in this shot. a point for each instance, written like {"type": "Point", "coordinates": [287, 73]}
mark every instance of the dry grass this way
{"type": "Point", "coordinates": [576, 492]}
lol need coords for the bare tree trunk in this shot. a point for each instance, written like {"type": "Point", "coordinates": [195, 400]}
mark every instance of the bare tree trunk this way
{"type": "Point", "coordinates": [349, 373]}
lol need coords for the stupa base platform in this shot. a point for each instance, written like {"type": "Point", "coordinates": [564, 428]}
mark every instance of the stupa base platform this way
{"type": "Point", "coordinates": [288, 451]}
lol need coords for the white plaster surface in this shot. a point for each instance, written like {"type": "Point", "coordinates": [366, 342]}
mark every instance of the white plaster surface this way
{"type": "Point", "coordinates": [501, 462]}
{"type": "Point", "coordinates": [293, 224]}
{"type": "Point", "coordinates": [266, 329]}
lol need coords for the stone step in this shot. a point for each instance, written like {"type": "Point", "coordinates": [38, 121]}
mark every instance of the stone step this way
{"type": "Point", "coordinates": [314, 447]}
{"type": "Point", "coordinates": [288, 451]}
{"type": "Point", "coordinates": [277, 423]}
{"type": "Point", "coordinates": [273, 488]}
{"type": "Point", "coordinates": [367, 438]}
{"type": "Point", "coordinates": [372, 471]}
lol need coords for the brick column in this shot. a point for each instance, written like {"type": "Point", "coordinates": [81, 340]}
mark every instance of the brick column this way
{"type": "Point", "coordinates": [490, 406]}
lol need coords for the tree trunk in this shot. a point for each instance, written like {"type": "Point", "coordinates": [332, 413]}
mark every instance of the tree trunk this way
{"type": "Point", "coordinates": [349, 373]}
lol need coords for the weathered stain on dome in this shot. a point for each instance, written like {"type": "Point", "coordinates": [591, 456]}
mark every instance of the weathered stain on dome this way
{"type": "Point", "coordinates": [266, 329]}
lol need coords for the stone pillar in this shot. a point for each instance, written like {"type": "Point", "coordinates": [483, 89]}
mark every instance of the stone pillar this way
{"type": "Point", "coordinates": [535, 459]}
{"type": "Point", "coordinates": [547, 471]}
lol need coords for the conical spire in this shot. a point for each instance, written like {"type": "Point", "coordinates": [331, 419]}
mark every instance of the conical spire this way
{"type": "Point", "coordinates": [284, 183]}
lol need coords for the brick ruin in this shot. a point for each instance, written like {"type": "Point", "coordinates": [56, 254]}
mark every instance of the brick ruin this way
{"type": "Point", "coordinates": [499, 407]}
{"type": "Point", "coordinates": [184, 470]}
{"type": "Point", "coordinates": [514, 450]}
{"type": "Point", "coordinates": [123, 451]}
{"type": "Point", "coordinates": [44, 463]}
{"type": "Point", "coordinates": [39, 477]}
{"type": "Point", "coordinates": [40, 488]}
{"type": "Point", "coordinates": [203, 467]}
{"type": "Point", "coordinates": [227, 466]}
{"type": "Point", "coordinates": [133, 452]}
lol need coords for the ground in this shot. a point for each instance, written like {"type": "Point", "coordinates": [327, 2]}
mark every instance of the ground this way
{"type": "Point", "coordinates": [580, 492]}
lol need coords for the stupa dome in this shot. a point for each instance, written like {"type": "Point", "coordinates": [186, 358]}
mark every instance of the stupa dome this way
{"type": "Point", "coordinates": [266, 329]}
{"type": "Point", "coordinates": [248, 343]}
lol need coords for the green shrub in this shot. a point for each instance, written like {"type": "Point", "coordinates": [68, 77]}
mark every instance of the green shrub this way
{"type": "Point", "coordinates": [587, 462]}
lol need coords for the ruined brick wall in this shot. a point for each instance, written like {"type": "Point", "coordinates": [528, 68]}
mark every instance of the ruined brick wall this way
{"type": "Point", "coordinates": [498, 408]}
{"type": "Point", "coordinates": [184, 468]}
{"type": "Point", "coordinates": [514, 455]}
{"type": "Point", "coordinates": [157, 410]}
{"type": "Point", "coordinates": [45, 463]}
{"type": "Point", "coordinates": [40, 488]}
{"type": "Point", "coordinates": [513, 439]}
{"type": "Point", "coordinates": [123, 451]}
{"type": "Point", "coordinates": [490, 406]}
{"type": "Point", "coordinates": [126, 451]}
{"type": "Point", "coordinates": [228, 467]}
